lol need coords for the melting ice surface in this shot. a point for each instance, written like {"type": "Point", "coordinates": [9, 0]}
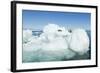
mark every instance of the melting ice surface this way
{"type": "Point", "coordinates": [55, 43]}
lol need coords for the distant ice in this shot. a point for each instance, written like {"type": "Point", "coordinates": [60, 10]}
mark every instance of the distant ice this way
{"type": "Point", "coordinates": [27, 34]}
{"type": "Point", "coordinates": [55, 44]}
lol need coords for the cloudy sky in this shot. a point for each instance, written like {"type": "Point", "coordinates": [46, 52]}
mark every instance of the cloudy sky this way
{"type": "Point", "coordinates": [36, 20]}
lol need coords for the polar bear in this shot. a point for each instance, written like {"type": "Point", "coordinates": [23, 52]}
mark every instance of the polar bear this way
{"type": "Point", "coordinates": [79, 41]}
{"type": "Point", "coordinates": [55, 46]}
{"type": "Point", "coordinates": [52, 30]}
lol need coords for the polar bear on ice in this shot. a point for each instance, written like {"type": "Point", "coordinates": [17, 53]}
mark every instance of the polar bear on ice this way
{"type": "Point", "coordinates": [55, 46]}
{"type": "Point", "coordinates": [56, 43]}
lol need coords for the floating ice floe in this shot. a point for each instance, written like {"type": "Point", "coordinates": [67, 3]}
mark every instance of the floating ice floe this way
{"type": "Point", "coordinates": [27, 34]}
{"type": "Point", "coordinates": [54, 44]}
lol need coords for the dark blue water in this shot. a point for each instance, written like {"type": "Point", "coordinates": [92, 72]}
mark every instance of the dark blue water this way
{"type": "Point", "coordinates": [36, 33]}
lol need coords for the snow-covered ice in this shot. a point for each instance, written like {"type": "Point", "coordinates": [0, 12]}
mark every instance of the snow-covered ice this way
{"type": "Point", "coordinates": [55, 44]}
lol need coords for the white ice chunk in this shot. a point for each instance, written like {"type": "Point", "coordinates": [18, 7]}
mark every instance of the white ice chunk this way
{"type": "Point", "coordinates": [27, 34]}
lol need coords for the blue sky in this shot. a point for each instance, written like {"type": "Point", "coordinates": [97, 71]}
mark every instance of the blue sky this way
{"type": "Point", "coordinates": [36, 20]}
